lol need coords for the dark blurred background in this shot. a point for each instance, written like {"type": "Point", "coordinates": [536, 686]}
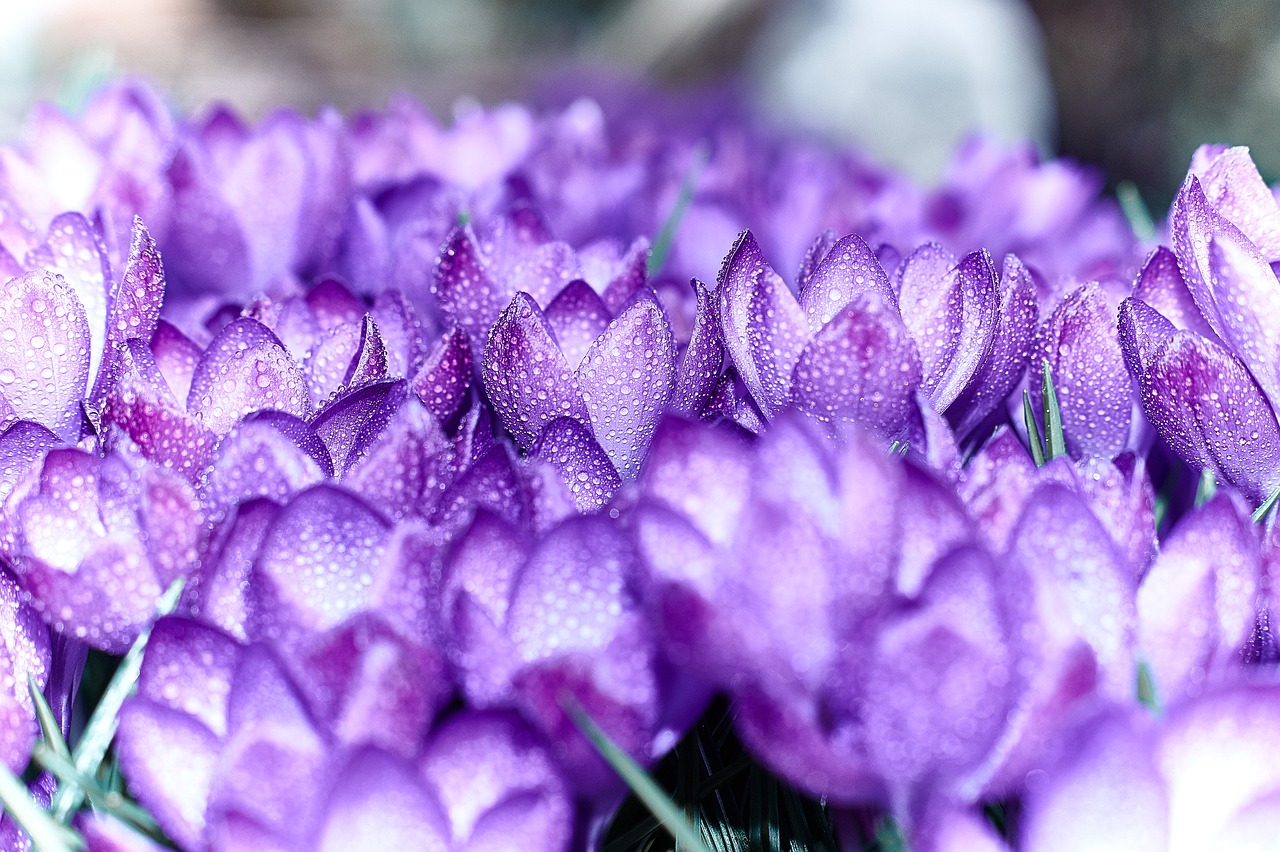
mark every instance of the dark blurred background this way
{"type": "Point", "coordinates": [1130, 85]}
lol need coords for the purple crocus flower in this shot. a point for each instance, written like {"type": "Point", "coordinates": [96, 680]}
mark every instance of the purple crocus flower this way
{"type": "Point", "coordinates": [1196, 335]}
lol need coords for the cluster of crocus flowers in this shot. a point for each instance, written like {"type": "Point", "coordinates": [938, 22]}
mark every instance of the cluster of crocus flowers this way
{"type": "Point", "coordinates": [453, 436]}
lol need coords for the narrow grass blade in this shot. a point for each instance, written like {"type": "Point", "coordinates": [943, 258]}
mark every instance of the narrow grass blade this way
{"type": "Point", "coordinates": [1054, 442]}
{"type": "Point", "coordinates": [1034, 441]}
{"type": "Point", "coordinates": [101, 728]}
{"type": "Point", "coordinates": [48, 724]}
{"type": "Point", "coordinates": [667, 812]}
{"type": "Point", "coordinates": [1260, 513]}
{"type": "Point", "coordinates": [1207, 488]}
{"type": "Point", "coordinates": [661, 247]}
{"type": "Point", "coordinates": [889, 836]}
{"type": "Point", "coordinates": [46, 833]}
{"type": "Point", "coordinates": [130, 813]}
{"type": "Point", "coordinates": [1135, 211]}
{"type": "Point", "coordinates": [1147, 694]}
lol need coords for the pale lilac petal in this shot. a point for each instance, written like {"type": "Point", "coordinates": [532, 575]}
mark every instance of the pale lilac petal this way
{"type": "Point", "coordinates": [813, 255]}
{"type": "Point", "coordinates": [1196, 605]}
{"type": "Point", "coordinates": [274, 760]}
{"type": "Point", "coordinates": [526, 376]}
{"type": "Point", "coordinates": [1160, 284]}
{"type": "Point", "coordinates": [220, 598]}
{"type": "Point", "coordinates": [462, 287]}
{"type": "Point", "coordinates": [45, 352]}
{"type": "Point", "coordinates": [497, 782]}
{"type": "Point", "coordinates": [483, 564]}
{"type": "Point", "coordinates": [702, 472]}
{"type": "Point", "coordinates": [626, 379]}
{"type": "Point", "coordinates": [1123, 498]}
{"type": "Point", "coordinates": [316, 565]}
{"type": "Point", "coordinates": [133, 309]}
{"type": "Point", "coordinates": [24, 652]}
{"type": "Point", "coordinates": [22, 445]}
{"type": "Point", "coordinates": [1233, 186]}
{"type": "Point", "coordinates": [847, 269]}
{"type": "Point", "coordinates": [862, 367]}
{"type": "Point", "coordinates": [942, 678]}
{"type": "Point", "coordinates": [582, 465]}
{"type": "Point", "coordinates": [378, 802]}
{"type": "Point", "coordinates": [445, 377]}
{"type": "Point", "coordinates": [76, 252]}
{"type": "Point", "coordinates": [1218, 755]}
{"type": "Point", "coordinates": [1248, 299]}
{"type": "Point", "coordinates": [403, 332]}
{"type": "Point", "coordinates": [931, 309]}
{"type": "Point", "coordinates": [205, 248]}
{"type": "Point", "coordinates": [170, 759]}
{"type": "Point", "coordinates": [1204, 403]}
{"type": "Point", "coordinates": [1016, 320]}
{"type": "Point", "coordinates": [176, 356]}
{"type": "Point", "coordinates": [764, 328]}
{"type": "Point", "coordinates": [702, 360]}
{"type": "Point", "coordinates": [1105, 792]}
{"type": "Point", "coordinates": [245, 369]}
{"type": "Point", "coordinates": [1193, 226]}
{"type": "Point", "coordinates": [1082, 345]}
{"type": "Point", "coordinates": [188, 668]}
{"type": "Point", "coordinates": [577, 316]}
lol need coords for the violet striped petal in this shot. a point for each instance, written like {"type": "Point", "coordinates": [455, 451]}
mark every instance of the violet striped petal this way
{"type": "Point", "coordinates": [846, 270]}
{"type": "Point", "coordinates": [862, 367]}
{"type": "Point", "coordinates": [1204, 403]}
{"type": "Point", "coordinates": [526, 375]}
{"type": "Point", "coordinates": [1082, 345]}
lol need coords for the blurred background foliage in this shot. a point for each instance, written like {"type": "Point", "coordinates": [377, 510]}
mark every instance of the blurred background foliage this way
{"type": "Point", "coordinates": [1130, 85]}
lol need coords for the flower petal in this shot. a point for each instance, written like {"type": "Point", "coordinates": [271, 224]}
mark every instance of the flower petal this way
{"type": "Point", "coordinates": [1233, 186]}
{"type": "Point", "coordinates": [703, 358]}
{"type": "Point", "coordinates": [379, 802]}
{"type": "Point", "coordinates": [24, 652]}
{"type": "Point", "coordinates": [626, 379]}
{"type": "Point", "coordinates": [847, 270]}
{"type": "Point", "coordinates": [526, 376]}
{"type": "Point", "coordinates": [45, 352]}
{"type": "Point", "coordinates": [445, 377]}
{"type": "Point", "coordinates": [577, 316]}
{"type": "Point", "coordinates": [1082, 346]}
{"type": "Point", "coordinates": [1204, 403]}
{"type": "Point", "coordinates": [462, 287]}
{"type": "Point", "coordinates": [862, 367]}
{"type": "Point", "coordinates": [582, 465]}
{"type": "Point", "coordinates": [1160, 284]}
{"type": "Point", "coordinates": [245, 369]}
{"type": "Point", "coordinates": [1248, 299]}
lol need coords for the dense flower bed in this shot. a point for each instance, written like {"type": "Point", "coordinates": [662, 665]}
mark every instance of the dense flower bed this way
{"type": "Point", "coordinates": [446, 434]}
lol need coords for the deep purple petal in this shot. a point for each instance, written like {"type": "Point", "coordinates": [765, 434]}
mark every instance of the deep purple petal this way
{"type": "Point", "coordinates": [846, 271]}
{"type": "Point", "coordinates": [764, 328]}
{"type": "Point", "coordinates": [245, 369]}
{"type": "Point", "coordinates": [1204, 403]}
{"type": "Point", "coordinates": [702, 360]}
{"type": "Point", "coordinates": [353, 422]}
{"type": "Point", "coordinates": [462, 287]}
{"type": "Point", "coordinates": [626, 379]}
{"type": "Point", "coordinates": [1016, 320]}
{"type": "Point", "coordinates": [1082, 345]}
{"type": "Point", "coordinates": [582, 465]}
{"type": "Point", "coordinates": [405, 471]}
{"type": "Point", "coordinates": [862, 367]}
{"type": "Point", "coordinates": [205, 248]}
{"type": "Point", "coordinates": [526, 376]}
{"type": "Point", "coordinates": [577, 316]}
{"type": "Point", "coordinates": [1143, 334]}
{"type": "Point", "coordinates": [445, 377]}
{"type": "Point", "coordinates": [45, 352]}
{"type": "Point", "coordinates": [133, 308]}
